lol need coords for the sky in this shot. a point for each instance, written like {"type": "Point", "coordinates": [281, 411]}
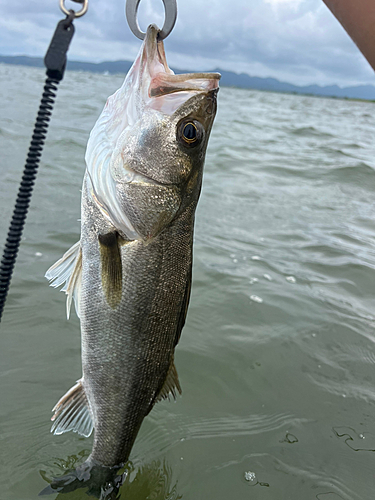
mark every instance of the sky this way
{"type": "Point", "coordinates": [297, 41]}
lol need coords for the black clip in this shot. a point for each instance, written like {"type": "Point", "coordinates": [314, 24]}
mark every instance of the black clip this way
{"type": "Point", "coordinates": [55, 58]}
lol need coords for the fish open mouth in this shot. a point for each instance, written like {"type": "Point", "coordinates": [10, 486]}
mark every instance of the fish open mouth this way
{"type": "Point", "coordinates": [158, 81]}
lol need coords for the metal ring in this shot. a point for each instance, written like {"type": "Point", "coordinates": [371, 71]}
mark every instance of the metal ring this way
{"type": "Point", "coordinates": [170, 8]}
{"type": "Point", "coordinates": [80, 13]}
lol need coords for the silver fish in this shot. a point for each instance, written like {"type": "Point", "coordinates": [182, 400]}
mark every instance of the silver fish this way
{"type": "Point", "coordinates": [130, 273]}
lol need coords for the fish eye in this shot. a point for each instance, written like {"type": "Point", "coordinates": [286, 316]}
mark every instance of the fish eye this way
{"type": "Point", "coordinates": [190, 133]}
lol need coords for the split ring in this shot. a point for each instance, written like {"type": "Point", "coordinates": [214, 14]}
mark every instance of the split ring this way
{"type": "Point", "coordinates": [80, 13]}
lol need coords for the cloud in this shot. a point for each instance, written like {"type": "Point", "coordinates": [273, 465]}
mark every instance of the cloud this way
{"type": "Point", "coordinates": [293, 40]}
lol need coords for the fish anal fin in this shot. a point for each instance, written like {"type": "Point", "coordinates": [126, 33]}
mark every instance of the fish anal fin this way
{"type": "Point", "coordinates": [72, 412]}
{"type": "Point", "coordinates": [111, 268]}
{"type": "Point", "coordinates": [171, 385]}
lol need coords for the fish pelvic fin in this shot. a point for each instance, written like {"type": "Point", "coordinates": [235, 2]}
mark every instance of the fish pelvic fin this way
{"type": "Point", "coordinates": [171, 385]}
{"type": "Point", "coordinates": [72, 412]}
{"type": "Point", "coordinates": [67, 271]}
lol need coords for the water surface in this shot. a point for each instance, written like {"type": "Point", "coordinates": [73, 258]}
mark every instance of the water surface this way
{"type": "Point", "coordinates": [277, 357]}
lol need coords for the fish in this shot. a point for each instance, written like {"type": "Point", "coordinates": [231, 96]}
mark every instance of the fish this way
{"type": "Point", "coordinates": [130, 273]}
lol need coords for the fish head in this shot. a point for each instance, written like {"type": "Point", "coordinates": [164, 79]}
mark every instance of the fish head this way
{"type": "Point", "coordinates": [146, 153]}
{"type": "Point", "coordinates": [175, 114]}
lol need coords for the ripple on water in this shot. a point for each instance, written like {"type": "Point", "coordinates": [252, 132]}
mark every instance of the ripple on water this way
{"type": "Point", "coordinates": [319, 479]}
{"type": "Point", "coordinates": [360, 175]}
{"type": "Point", "coordinates": [311, 132]}
{"type": "Point", "coordinates": [231, 426]}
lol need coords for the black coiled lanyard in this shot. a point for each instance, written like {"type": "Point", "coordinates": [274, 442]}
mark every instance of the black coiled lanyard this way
{"type": "Point", "coordinates": [55, 62]}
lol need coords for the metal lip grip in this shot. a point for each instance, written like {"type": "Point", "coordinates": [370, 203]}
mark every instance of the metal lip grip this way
{"type": "Point", "coordinates": [170, 8]}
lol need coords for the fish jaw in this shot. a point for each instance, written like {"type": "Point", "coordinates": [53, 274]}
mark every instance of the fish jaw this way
{"type": "Point", "coordinates": [161, 89]}
{"type": "Point", "coordinates": [134, 140]}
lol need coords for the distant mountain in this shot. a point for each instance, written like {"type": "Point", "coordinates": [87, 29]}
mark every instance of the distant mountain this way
{"type": "Point", "coordinates": [243, 80]}
{"type": "Point", "coordinates": [104, 67]}
{"type": "Point", "coordinates": [228, 78]}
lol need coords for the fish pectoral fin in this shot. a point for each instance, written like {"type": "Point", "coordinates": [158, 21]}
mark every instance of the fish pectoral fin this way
{"type": "Point", "coordinates": [67, 271]}
{"type": "Point", "coordinates": [72, 412]}
{"type": "Point", "coordinates": [111, 267]}
{"type": "Point", "coordinates": [171, 384]}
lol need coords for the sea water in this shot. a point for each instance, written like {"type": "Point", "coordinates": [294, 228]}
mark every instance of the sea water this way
{"type": "Point", "coordinates": [277, 358]}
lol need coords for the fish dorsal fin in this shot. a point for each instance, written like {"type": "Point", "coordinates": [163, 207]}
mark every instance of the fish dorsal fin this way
{"type": "Point", "coordinates": [67, 271]}
{"type": "Point", "coordinates": [171, 384]}
{"type": "Point", "coordinates": [72, 412]}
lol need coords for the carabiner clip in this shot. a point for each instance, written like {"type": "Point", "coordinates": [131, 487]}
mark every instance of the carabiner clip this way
{"type": "Point", "coordinates": [170, 8]}
{"type": "Point", "coordinates": [80, 13]}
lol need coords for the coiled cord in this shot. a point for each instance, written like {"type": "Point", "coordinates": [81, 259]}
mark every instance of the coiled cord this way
{"type": "Point", "coordinates": [26, 188]}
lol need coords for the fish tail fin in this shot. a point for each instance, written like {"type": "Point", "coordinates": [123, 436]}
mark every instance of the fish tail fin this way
{"type": "Point", "coordinates": [72, 412]}
{"type": "Point", "coordinates": [67, 271]}
{"type": "Point", "coordinates": [101, 482]}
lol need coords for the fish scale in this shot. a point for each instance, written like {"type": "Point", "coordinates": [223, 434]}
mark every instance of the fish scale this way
{"type": "Point", "coordinates": [133, 361]}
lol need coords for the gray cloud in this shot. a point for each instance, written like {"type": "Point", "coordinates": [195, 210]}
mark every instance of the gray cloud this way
{"type": "Point", "coordinates": [293, 40]}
